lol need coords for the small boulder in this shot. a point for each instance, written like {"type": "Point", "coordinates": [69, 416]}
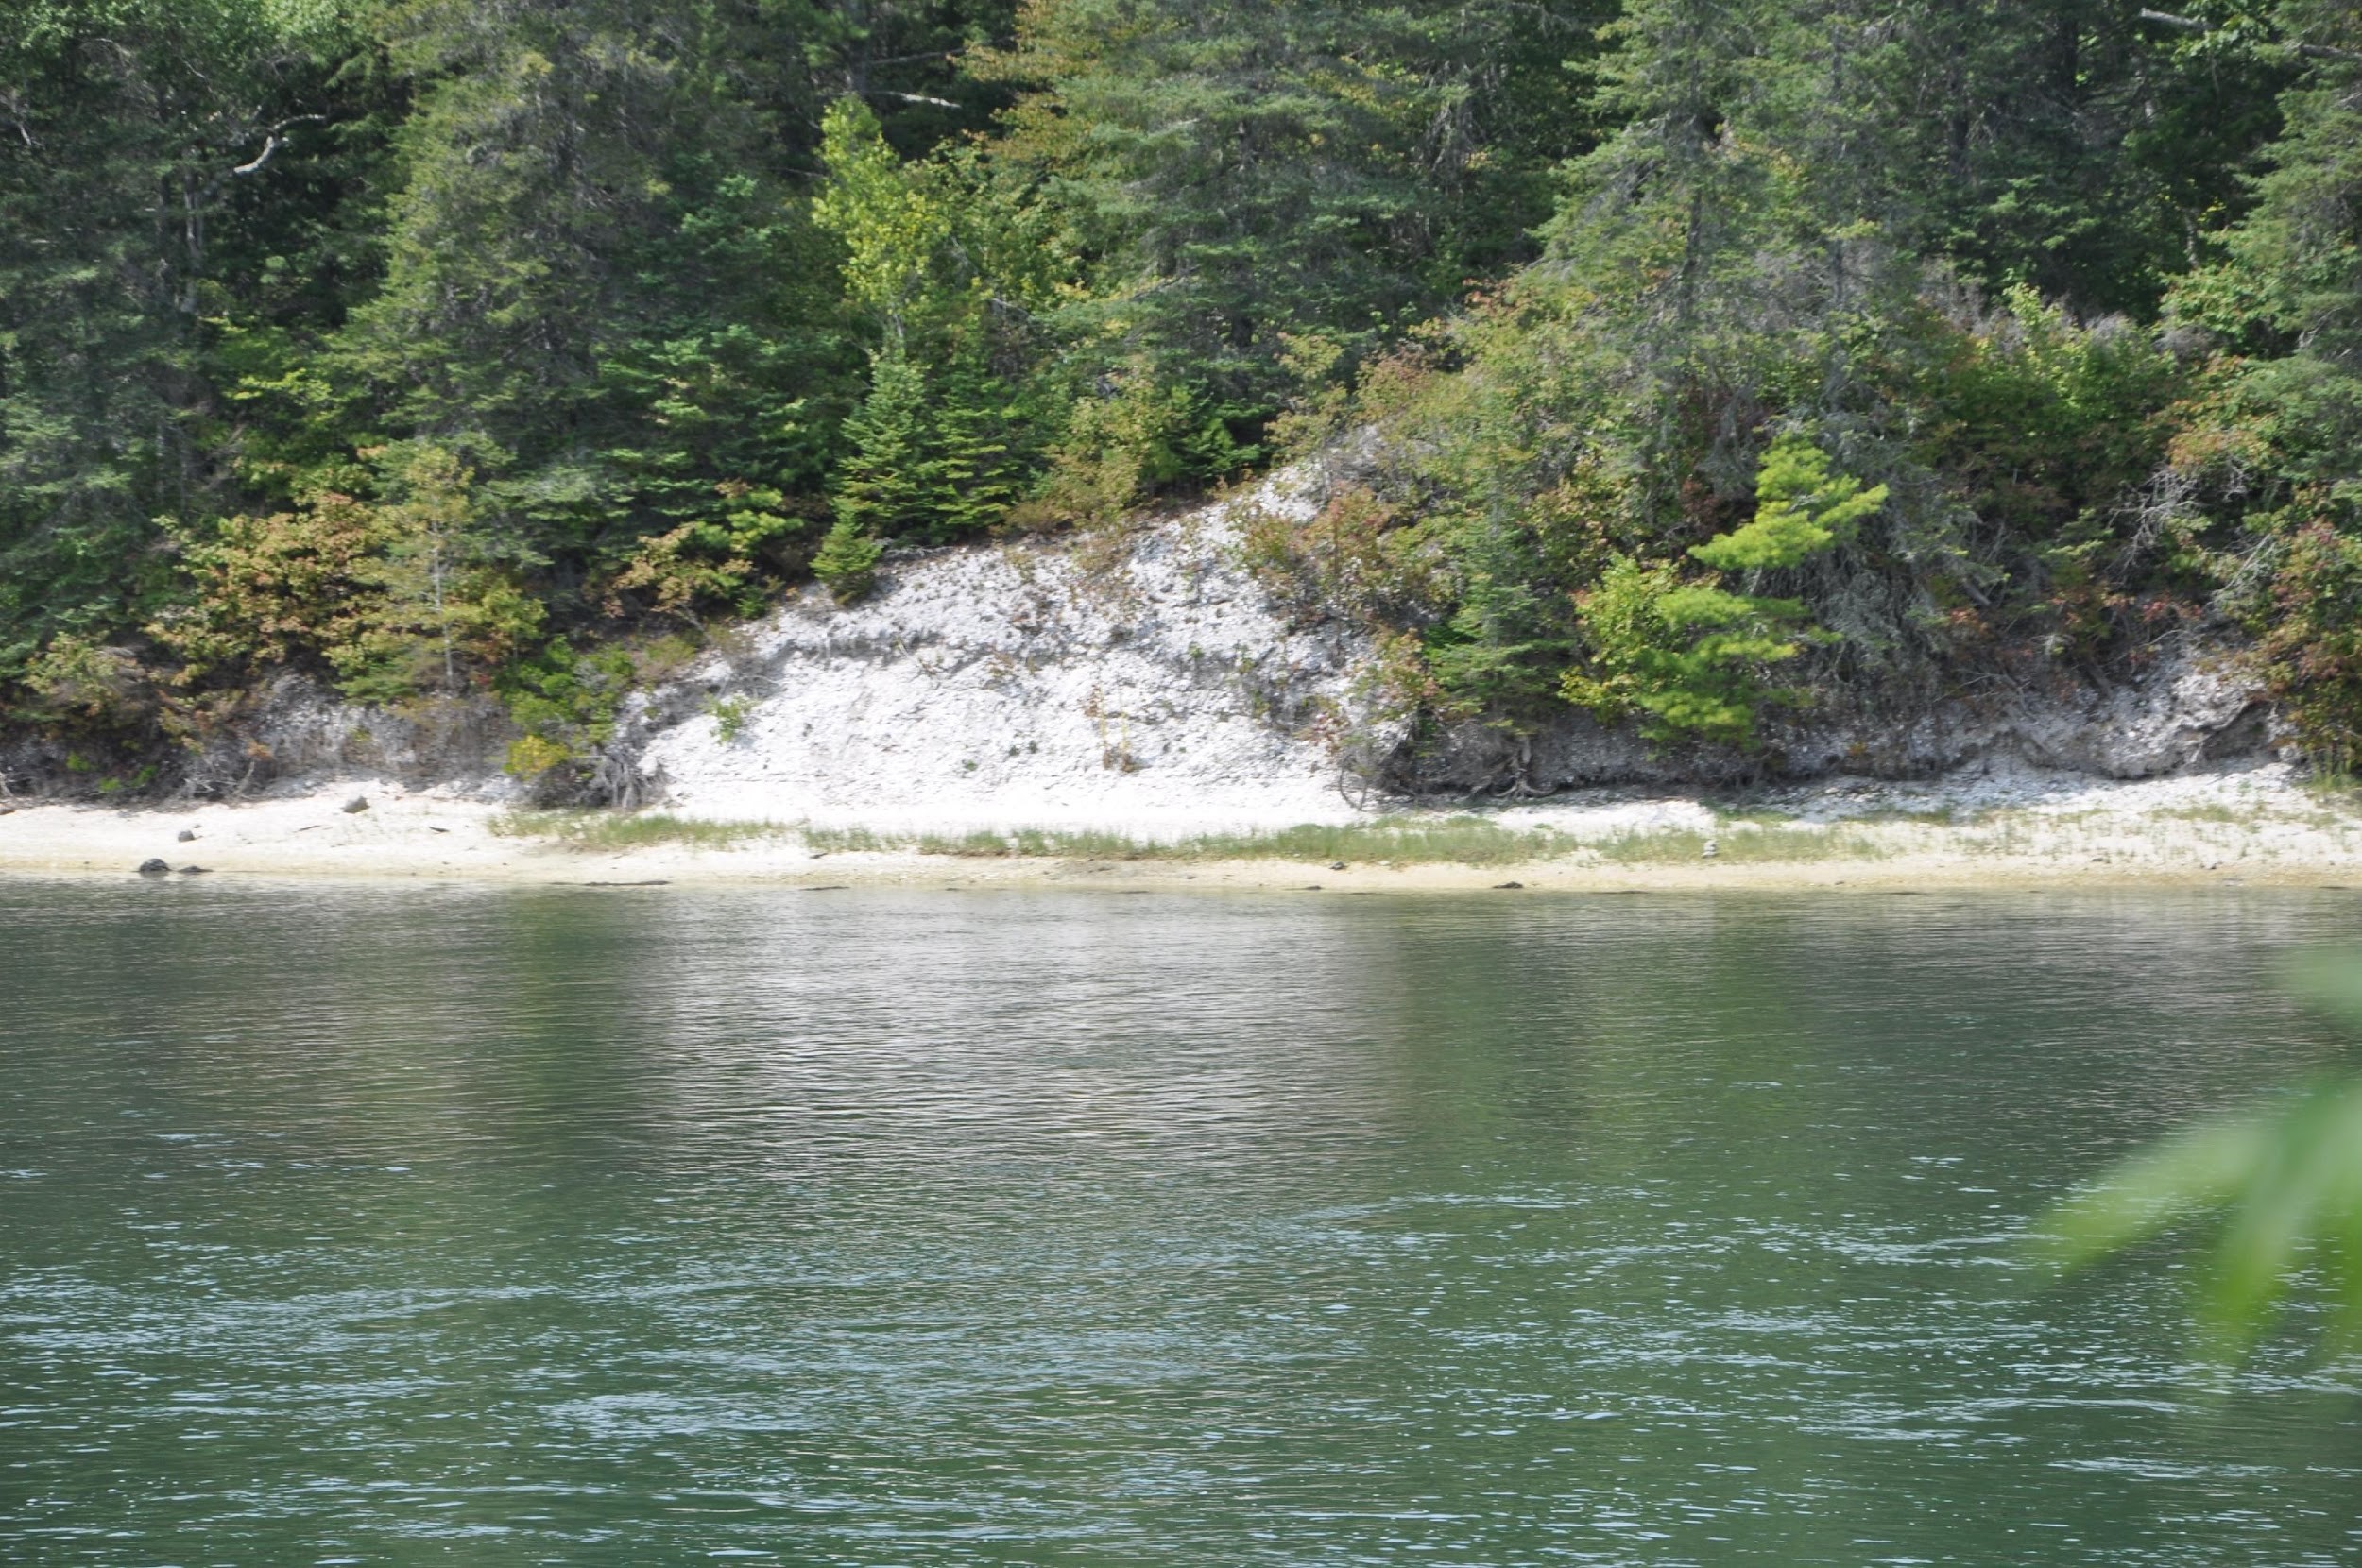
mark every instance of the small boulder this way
{"type": "Point", "coordinates": [195, 870]}
{"type": "Point", "coordinates": [1504, 887]}
{"type": "Point", "coordinates": [358, 802]}
{"type": "Point", "coordinates": [1336, 865]}
{"type": "Point", "coordinates": [154, 868]}
{"type": "Point", "coordinates": [186, 834]}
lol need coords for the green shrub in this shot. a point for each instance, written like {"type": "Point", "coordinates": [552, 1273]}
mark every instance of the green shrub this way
{"type": "Point", "coordinates": [2311, 641]}
{"type": "Point", "coordinates": [1692, 658]}
{"type": "Point", "coordinates": [848, 562]}
{"type": "Point", "coordinates": [566, 703]}
{"type": "Point", "coordinates": [729, 718]}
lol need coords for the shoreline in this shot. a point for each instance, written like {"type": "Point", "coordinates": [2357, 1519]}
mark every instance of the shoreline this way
{"type": "Point", "coordinates": [2246, 827]}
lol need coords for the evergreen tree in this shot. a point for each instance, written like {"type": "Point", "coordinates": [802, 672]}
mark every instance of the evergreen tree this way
{"type": "Point", "coordinates": [1244, 170]}
{"type": "Point", "coordinates": [154, 156]}
{"type": "Point", "coordinates": [2279, 445]}
{"type": "Point", "coordinates": [972, 464]}
{"type": "Point", "coordinates": [621, 263]}
{"type": "Point", "coordinates": [883, 487]}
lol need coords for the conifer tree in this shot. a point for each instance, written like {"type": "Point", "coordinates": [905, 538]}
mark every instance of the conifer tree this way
{"type": "Point", "coordinates": [883, 485]}
{"type": "Point", "coordinates": [1245, 170]}
{"type": "Point", "coordinates": [970, 465]}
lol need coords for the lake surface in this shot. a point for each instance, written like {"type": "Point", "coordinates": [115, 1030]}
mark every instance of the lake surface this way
{"type": "Point", "coordinates": [350, 1225]}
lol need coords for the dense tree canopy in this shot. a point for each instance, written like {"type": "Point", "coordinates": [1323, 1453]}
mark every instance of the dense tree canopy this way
{"type": "Point", "coordinates": [1727, 356]}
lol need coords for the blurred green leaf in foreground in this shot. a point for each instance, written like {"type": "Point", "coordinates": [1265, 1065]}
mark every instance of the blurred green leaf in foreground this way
{"type": "Point", "coordinates": [2289, 1176]}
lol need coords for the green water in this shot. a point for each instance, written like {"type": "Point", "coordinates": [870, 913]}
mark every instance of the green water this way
{"type": "Point", "coordinates": [485, 1226]}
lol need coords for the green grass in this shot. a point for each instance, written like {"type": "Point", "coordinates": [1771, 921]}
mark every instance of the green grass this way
{"type": "Point", "coordinates": [1759, 816]}
{"type": "Point", "coordinates": [1933, 816]}
{"type": "Point", "coordinates": [1465, 840]}
{"type": "Point", "coordinates": [1450, 840]}
{"type": "Point", "coordinates": [1462, 841]}
{"type": "Point", "coordinates": [2336, 788]}
{"type": "Point", "coordinates": [2211, 811]}
{"type": "Point", "coordinates": [1744, 846]}
{"type": "Point", "coordinates": [1027, 842]}
{"type": "Point", "coordinates": [1940, 816]}
{"type": "Point", "coordinates": [1445, 841]}
{"type": "Point", "coordinates": [614, 831]}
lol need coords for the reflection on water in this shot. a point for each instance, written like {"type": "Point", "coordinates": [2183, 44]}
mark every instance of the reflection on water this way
{"type": "Point", "coordinates": [498, 1226]}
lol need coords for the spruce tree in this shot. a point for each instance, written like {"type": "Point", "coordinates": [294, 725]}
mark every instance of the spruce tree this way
{"type": "Point", "coordinates": [883, 487]}
{"type": "Point", "coordinates": [971, 466]}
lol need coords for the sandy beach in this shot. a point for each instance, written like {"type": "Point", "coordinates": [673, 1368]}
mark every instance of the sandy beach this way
{"type": "Point", "coordinates": [2251, 825]}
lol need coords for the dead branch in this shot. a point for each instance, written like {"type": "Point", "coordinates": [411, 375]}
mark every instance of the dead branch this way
{"type": "Point", "coordinates": [2195, 25]}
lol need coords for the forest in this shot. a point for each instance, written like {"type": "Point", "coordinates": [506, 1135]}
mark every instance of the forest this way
{"type": "Point", "coordinates": [1702, 363]}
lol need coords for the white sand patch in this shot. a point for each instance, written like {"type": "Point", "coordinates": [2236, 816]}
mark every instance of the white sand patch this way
{"type": "Point", "coordinates": [1013, 686]}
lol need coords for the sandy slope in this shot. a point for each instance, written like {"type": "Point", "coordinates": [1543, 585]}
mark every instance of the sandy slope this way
{"type": "Point", "coordinates": [1143, 681]}
{"type": "Point", "coordinates": [1155, 691]}
{"type": "Point", "coordinates": [2251, 825]}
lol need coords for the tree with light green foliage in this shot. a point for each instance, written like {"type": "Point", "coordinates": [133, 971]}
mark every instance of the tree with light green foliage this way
{"type": "Point", "coordinates": [1802, 509]}
{"type": "Point", "coordinates": [1691, 659]}
{"type": "Point", "coordinates": [947, 267]}
{"type": "Point", "coordinates": [2282, 1185]}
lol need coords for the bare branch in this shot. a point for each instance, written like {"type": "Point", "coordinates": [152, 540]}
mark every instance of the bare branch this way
{"type": "Point", "coordinates": [2193, 24]}
{"type": "Point", "coordinates": [913, 98]}
{"type": "Point", "coordinates": [272, 141]}
{"type": "Point", "coordinates": [14, 108]}
{"type": "Point", "coordinates": [270, 144]}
